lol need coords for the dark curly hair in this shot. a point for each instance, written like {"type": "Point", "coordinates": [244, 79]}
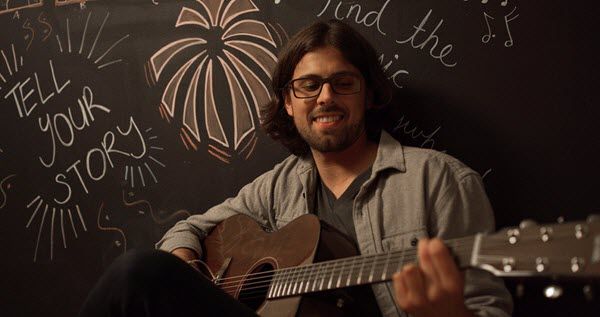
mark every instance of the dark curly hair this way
{"type": "Point", "coordinates": [355, 48]}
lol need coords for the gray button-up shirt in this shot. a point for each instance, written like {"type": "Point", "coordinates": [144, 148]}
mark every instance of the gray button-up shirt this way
{"type": "Point", "coordinates": [411, 193]}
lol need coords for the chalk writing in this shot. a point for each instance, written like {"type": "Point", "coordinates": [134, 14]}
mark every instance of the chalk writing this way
{"type": "Point", "coordinates": [354, 9]}
{"type": "Point", "coordinates": [19, 97]}
{"type": "Point", "coordinates": [130, 171]}
{"type": "Point", "coordinates": [403, 125]}
{"type": "Point", "coordinates": [415, 43]}
{"type": "Point", "coordinates": [50, 124]}
{"type": "Point", "coordinates": [81, 174]}
{"type": "Point", "coordinates": [373, 18]}
{"type": "Point", "coordinates": [395, 73]}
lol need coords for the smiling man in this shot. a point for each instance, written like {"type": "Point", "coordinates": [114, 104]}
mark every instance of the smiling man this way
{"type": "Point", "coordinates": [328, 91]}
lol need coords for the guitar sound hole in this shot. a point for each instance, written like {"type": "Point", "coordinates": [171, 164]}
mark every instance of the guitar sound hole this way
{"type": "Point", "coordinates": [255, 287]}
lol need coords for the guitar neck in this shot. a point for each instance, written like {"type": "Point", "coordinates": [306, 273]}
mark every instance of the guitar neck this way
{"type": "Point", "coordinates": [357, 270]}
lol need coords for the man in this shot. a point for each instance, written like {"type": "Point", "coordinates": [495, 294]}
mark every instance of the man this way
{"type": "Point", "coordinates": [327, 90]}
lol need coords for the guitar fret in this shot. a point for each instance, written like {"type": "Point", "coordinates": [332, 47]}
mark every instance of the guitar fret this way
{"type": "Point", "coordinates": [323, 279]}
{"type": "Point", "coordinates": [301, 278]}
{"type": "Point", "coordinates": [362, 266]}
{"type": "Point", "coordinates": [372, 269]}
{"type": "Point", "coordinates": [307, 281]}
{"type": "Point", "coordinates": [319, 267]}
{"type": "Point", "coordinates": [270, 292]}
{"type": "Point", "coordinates": [281, 283]}
{"type": "Point", "coordinates": [273, 286]}
{"type": "Point", "coordinates": [284, 282]}
{"type": "Point", "coordinates": [331, 277]}
{"type": "Point", "coordinates": [350, 273]}
{"type": "Point", "coordinates": [294, 282]}
{"type": "Point", "coordinates": [339, 281]}
{"type": "Point", "coordinates": [290, 284]}
{"type": "Point", "coordinates": [298, 282]}
{"type": "Point", "coordinates": [387, 261]}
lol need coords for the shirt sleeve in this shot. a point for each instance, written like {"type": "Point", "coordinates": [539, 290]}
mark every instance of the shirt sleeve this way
{"type": "Point", "coordinates": [463, 209]}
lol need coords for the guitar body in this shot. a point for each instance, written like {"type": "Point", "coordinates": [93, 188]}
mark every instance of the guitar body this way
{"type": "Point", "coordinates": [252, 250]}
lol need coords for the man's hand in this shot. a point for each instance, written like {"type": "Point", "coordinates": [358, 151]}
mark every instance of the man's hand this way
{"type": "Point", "coordinates": [435, 287]}
{"type": "Point", "coordinates": [187, 255]}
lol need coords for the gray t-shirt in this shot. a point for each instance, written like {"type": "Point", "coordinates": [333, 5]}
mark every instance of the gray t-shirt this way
{"type": "Point", "coordinates": [337, 212]}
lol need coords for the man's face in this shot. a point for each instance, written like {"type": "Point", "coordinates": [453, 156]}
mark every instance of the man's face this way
{"type": "Point", "coordinates": [328, 122]}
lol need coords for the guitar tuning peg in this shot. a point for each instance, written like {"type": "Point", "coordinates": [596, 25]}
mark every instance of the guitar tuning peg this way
{"type": "Point", "coordinates": [588, 293]}
{"type": "Point", "coordinates": [553, 291]}
{"type": "Point", "coordinates": [527, 223]}
{"type": "Point", "coordinates": [593, 218]}
{"type": "Point", "coordinates": [560, 219]}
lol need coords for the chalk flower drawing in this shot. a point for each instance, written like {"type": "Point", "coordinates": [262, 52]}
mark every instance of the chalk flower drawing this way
{"type": "Point", "coordinates": [230, 40]}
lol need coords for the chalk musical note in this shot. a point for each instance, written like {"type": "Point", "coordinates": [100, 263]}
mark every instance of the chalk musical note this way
{"type": "Point", "coordinates": [487, 37]}
{"type": "Point", "coordinates": [507, 19]}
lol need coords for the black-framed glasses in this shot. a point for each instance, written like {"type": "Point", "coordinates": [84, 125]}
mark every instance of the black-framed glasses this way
{"type": "Point", "coordinates": [310, 86]}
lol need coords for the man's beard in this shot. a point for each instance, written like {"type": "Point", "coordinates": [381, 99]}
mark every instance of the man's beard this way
{"type": "Point", "coordinates": [333, 141]}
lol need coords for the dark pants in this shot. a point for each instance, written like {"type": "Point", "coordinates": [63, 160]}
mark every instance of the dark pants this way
{"type": "Point", "coordinates": [156, 283]}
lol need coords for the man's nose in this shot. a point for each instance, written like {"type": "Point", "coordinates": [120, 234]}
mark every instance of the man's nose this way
{"type": "Point", "coordinates": [326, 95]}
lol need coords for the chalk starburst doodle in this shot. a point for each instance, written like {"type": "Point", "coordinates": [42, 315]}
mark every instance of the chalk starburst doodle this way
{"type": "Point", "coordinates": [232, 57]}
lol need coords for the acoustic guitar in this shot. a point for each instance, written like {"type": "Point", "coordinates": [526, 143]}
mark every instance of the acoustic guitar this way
{"type": "Point", "coordinates": [308, 268]}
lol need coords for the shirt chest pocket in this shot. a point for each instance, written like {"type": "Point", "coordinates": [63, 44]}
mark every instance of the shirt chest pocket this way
{"type": "Point", "coordinates": [403, 240]}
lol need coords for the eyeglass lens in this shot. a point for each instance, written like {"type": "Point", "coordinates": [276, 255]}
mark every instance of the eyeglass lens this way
{"type": "Point", "coordinates": [345, 84]}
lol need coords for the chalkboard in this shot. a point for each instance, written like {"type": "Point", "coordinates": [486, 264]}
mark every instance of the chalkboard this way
{"type": "Point", "coordinates": [119, 118]}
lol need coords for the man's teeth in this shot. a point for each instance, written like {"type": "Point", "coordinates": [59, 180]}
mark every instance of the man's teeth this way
{"type": "Point", "coordinates": [328, 119]}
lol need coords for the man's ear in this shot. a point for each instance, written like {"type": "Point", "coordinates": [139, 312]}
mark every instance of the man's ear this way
{"type": "Point", "coordinates": [288, 104]}
{"type": "Point", "coordinates": [369, 99]}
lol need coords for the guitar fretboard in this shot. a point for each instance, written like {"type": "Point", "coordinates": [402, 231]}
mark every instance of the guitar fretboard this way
{"type": "Point", "coordinates": [357, 270]}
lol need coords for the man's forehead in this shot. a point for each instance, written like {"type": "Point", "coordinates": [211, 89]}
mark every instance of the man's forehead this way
{"type": "Point", "coordinates": [324, 61]}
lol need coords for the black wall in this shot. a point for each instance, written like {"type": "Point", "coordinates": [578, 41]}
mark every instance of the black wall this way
{"type": "Point", "coordinates": [99, 153]}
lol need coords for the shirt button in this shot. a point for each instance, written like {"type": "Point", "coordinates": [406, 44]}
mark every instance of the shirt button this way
{"type": "Point", "coordinates": [414, 241]}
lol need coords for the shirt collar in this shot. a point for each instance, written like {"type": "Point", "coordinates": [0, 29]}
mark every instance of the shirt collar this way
{"type": "Point", "coordinates": [390, 154]}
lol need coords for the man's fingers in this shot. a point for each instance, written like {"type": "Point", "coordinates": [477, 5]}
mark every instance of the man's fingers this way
{"type": "Point", "coordinates": [444, 266]}
{"type": "Point", "coordinates": [431, 276]}
{"type": "Point", "coordinates": [400, 289]}
{"type": "Point", "coordinates": [413, 281]}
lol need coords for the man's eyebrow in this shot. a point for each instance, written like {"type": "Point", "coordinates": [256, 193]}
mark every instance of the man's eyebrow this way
{"type": "Point", "coordinates": [345, 72]}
